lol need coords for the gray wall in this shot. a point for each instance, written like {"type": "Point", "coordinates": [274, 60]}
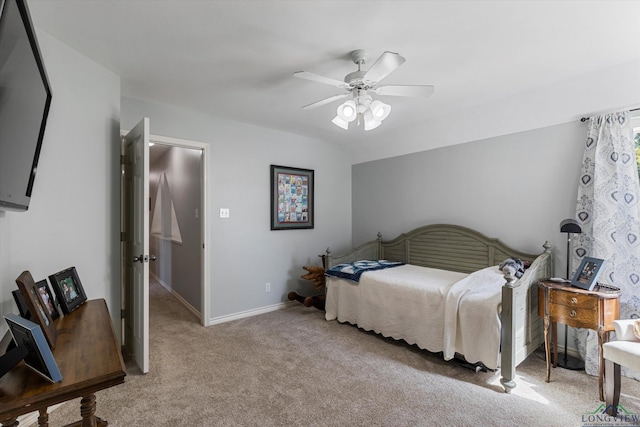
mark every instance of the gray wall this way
{"type": "Point", "coordinates": [74, 217]}
{"type": "Point", "coordinates": [517, 187]}
{"type": "Point", "coordinates": [244, 254]}
{"type": "Point", "coordinates": [178, 264]}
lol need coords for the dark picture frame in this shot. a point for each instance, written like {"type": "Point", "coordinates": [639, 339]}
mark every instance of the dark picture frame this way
{"type": "Point", "coordinates": [21, 304]}
{"type": "Point", "coordinates": [292, 198]}
{"type": "Point", "coordinates": [36, 306]}
{"type": "Point", "coordinates": [586, 276]}
{"type": "Point", "coordinates": [27, 334]}
{"type": "Point", "coordinates": [68, 288]}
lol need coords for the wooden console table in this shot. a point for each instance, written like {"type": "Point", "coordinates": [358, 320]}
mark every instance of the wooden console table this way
{"type": "Point", "coordinates": [89, 359]}
{"type": "Point", "coordinates": [578, 308]}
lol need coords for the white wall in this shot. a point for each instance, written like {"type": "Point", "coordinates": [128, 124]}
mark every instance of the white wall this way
{"type": "Point", "coordinates": [73, 219]}
{"type": "Point", "coordinates": [245, 254]}
{"type": "Point", "coordinates": [517, 187]}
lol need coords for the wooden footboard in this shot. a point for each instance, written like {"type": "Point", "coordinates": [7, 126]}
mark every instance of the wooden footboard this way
{"type": "Point", "coordinates": [456, 248]}
{"type": "Point", "coordinates": [522, 328]}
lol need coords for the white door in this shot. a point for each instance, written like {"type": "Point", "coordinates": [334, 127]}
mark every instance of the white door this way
{"type": "Point", "coordinates": [136, 246]}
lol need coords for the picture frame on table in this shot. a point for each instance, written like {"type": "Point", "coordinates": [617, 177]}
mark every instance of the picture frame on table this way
{"type": "Point", "coordinates": [586, 276]}
{"type": "Point", "coordinates": [50, 303]}
{"type": "Point", "coordinates": [28, 335]}
{"type": "Point", "coordinates": [21, 304]}
{"type": "Point", "coordinates": [39, 314]}
{"type": "Point", "coordinates": [292, 198]}
{"type": "Point", "coordinates": [68, 289]}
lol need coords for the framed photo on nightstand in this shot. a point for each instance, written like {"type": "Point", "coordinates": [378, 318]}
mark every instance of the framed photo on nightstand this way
{"type": "Point", "coordinates": [586, 276]}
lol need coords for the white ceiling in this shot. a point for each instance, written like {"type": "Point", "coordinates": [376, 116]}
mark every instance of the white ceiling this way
{"type": "Point", "coordinates": [234, 59]}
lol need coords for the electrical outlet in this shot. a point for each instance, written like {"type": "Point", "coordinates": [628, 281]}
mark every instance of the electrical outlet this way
{"type": "Point", "coordinates": [224, 213]}
{"type": "Point", "coordinates": [267, 287]}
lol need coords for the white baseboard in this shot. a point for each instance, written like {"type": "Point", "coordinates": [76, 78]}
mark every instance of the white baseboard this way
{"type": "Point", "coordinates": [250, 313]}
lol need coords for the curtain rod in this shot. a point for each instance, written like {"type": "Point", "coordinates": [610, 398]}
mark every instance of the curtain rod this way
{"type": "Point", "coordinates": [584, 119]}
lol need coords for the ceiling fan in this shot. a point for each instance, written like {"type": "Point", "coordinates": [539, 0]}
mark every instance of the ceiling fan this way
{"type": "Point", "coordinates": [359, 83]}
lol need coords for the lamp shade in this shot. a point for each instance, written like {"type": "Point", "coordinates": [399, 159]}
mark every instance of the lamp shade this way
{"type": "Point", "coordinates": [570, 225]}
{"type": "Point", "coordinates": [347, 110]}
{"type": "Point", "coordinates": [370, 122]}
{"type": "Point", "coordinates": [341, 123]}
{"type": "Point", "coordinates": [380, 110]}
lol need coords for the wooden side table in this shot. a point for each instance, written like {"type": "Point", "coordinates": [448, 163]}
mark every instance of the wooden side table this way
{"type": "Point", "coordinates": [579, 308]}
{"type": "Point", "coordinates": [89, 359]}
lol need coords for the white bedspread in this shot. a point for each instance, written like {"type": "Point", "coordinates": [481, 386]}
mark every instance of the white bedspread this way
{"type": "Point", "coordinates": [438, 310]}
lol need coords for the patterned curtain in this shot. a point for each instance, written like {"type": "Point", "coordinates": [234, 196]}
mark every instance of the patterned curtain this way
{"type": "Point", "coordinates": [609, 214]}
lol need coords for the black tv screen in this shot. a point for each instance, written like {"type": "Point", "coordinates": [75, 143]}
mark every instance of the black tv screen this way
{"type": "Point", "coordinates": [25, 97]}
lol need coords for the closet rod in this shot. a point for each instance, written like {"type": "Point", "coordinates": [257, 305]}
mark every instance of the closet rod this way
{"type": "Point", "coordinates": [584, 119]}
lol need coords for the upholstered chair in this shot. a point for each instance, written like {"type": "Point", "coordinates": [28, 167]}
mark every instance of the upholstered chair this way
{"type": "Point", "coordinates": [624, 351]}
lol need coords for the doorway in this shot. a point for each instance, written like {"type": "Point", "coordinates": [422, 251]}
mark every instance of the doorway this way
{"type": "Point", "coordinates": [175, 218]}
{"type": "Point", "coordinates": [176, 168]}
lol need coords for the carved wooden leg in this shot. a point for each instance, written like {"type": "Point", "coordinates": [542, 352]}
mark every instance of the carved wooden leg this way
{"type": "Point", "coordinates": [43, 418]}
{"type": "Point", "coordinates": [547, 349]}
{"type": "Point", "coordinates": [10, 422]}
{"type": "Point", "coordinates": [88, 411]}
{"type": "Point", "coordinates": [554, 332]}
{"type": "Point", "coordinates": [602, 335]}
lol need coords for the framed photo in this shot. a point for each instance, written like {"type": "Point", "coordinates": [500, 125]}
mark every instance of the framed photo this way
{"type": "Point", "coordinates": [66, 284]}
{"type": "Point", "coordinates": [586, 276]}
{"type": "Point", "coordinates": [27, 334]}
{"type": "Point", "coordinates": [22, 305]}
{"type": "Point", "coordinates": [50, 303]}
{"type": "Point", "coordinates": [291, 198]}
{"type": "Point", "coordinates": [36, 307]}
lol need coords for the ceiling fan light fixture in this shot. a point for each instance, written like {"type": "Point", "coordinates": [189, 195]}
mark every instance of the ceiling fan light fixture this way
{"type": "Point", "coordinates": [347, 111]}
{"type": "Point", "coordinates": [380, 110]}
{"type": "Point", "coordinates": [340, 123]}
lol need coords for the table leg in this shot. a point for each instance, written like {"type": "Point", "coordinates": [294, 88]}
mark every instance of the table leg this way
{"type": "Point", "coordinates": [602, 338]}
{"type": "Point", "coordinates": [547, 350]}
{"type": "Point", "coordinates": [43, 418]}
{"type": "Point", "coordinates": [554, 331]}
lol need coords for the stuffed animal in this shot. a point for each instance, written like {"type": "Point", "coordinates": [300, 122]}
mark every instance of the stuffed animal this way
{"type": "Point", "coordinates": [513, 267]}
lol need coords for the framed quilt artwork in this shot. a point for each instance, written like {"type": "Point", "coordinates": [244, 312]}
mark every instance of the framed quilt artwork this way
{"type": "Point", "coordinates": [291, 198]}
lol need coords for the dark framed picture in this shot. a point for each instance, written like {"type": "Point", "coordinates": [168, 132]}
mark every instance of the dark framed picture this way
{"type": "Point", "coordinates": [50, 303]}
{"type": "Point", "coordinates": [36, 306]}
{"type": "Point", "coordinates": [21, 304]}
{"type": "Point", "coordinates": [291, 198]}
{"type": "Point", "coordinates": [66, 284]}
{"type": "Point", "coordinates": [586, 276]}
{"type": "Point", "coordinates": [28, 334]}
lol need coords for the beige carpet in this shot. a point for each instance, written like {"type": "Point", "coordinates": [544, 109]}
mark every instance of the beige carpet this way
{"type": "Point", "coordinates": [293, 368]}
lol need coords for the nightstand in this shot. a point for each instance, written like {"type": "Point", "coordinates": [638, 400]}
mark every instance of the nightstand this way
{"type": "Point", "coordinates": [579, 308]}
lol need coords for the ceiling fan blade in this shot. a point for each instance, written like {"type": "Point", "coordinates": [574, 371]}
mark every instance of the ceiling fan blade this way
{"type": "Point", "coordinates": [384, 65]}
{"type": "Point", "coordinates": [320, 79]}
{"type": "Point", "coordinates": [325, 101]}
{"type": "Point", "coordinates": [418, 91]}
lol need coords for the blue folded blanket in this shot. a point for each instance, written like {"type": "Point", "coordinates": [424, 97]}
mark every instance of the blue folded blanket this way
{"type": "Point", "coordinates": [353, 270]}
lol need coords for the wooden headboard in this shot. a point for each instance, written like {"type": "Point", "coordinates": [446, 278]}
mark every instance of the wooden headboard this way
{"type": "Point", "coordinates": [443, 246]}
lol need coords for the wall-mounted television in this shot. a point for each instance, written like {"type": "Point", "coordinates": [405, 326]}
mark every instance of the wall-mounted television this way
{"type": "Point", "coordinates": [25, 98]}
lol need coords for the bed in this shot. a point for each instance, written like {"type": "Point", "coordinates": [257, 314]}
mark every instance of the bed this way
{"type": "Point", "coordinates": [446, 295]}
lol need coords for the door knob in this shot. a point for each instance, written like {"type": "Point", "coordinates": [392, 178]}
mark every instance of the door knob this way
{"type": "Point", "coordinates": [139, 259]}
{"type": "Point", "coordinates": [152, 257]}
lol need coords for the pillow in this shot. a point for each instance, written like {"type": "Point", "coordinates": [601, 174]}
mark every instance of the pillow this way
{"type": "Point", "coordinates": [627, 329]}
